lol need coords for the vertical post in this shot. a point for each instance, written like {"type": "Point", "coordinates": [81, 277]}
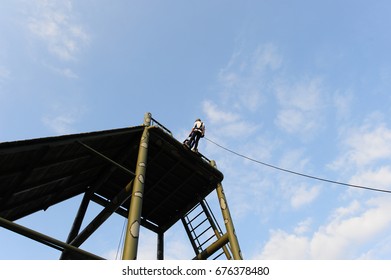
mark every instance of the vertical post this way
{"type": "Point", "coordinates": [78, 221]}
{"type": "Point", "coordinates": [160, 246]}
{"type": "Point", "coordinates": [236, 252]}
{"type": "Point", "coordinates": [136, 201]}
{"type": "Point", "coordinates": [147, 119]}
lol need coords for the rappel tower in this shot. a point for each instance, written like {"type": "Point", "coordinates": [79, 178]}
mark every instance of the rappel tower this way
{"type": "Point", "coordinates": [141, 173]}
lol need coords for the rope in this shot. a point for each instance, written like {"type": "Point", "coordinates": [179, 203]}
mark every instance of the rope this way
{"type": "Point", "coordinates": [120, 239]}
{"type": "Point", "coordinates": [298, 173]}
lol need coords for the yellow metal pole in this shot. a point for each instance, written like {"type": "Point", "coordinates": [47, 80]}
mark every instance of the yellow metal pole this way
{"type": "Point", "coordinates": [220, 243]}
{"type": "Point", "coordinates": [214, 227]}
{"type": "Point", "coordinates": [233, 240]}
{"type": "Point", "coordinates": [136, 202]}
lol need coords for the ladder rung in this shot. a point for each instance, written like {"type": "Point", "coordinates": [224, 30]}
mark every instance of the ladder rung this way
{"type": "Point", "coordinates": [202, 233]}
{"type": "Point", "coordinates": [198, 239]}
{"type": "Point", "coordinates": [207, 240]}
{"type": "Point", "coordinates": [215, 258]}
{"type": "Point", "coordinates": [192, 209]}
{"type": "Point", "coordinates": [198, 225]}
{"type": "Point", "coordinates": [199, 214]}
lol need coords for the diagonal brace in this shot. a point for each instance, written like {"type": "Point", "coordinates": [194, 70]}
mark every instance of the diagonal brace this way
{"type": "Point", "coordinates": [122, 196]}
{"type": "Point", "coordinates": [102, 156]}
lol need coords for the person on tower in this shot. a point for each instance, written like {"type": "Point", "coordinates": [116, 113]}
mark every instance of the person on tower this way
{"type": "Point", "coordinates": [197, 132]}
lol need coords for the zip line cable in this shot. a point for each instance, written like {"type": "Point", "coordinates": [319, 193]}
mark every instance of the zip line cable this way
{"type": "Point", "coordinates": [297, 173]}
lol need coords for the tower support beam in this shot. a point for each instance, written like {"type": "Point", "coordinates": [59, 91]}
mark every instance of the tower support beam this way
{"type": "Point", "coordinates": [136, 202]}
{"type": "Point", "coordinates": [78, 221]}
{"type": "Point", "coordinates": [44, 239]}
{"type": "Point", "coordinates": [233, 240]}
{"type": "Point", "coordinates": [160, 246]}
{"type": "Point", "coordinates": [103, 216]}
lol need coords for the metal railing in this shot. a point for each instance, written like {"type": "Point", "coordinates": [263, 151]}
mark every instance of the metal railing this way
{"type": "Point", "coordinates": [155, 122]}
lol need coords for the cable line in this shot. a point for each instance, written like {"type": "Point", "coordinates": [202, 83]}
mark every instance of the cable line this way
{"type": "Point", "coordinates": [297, 173]}
{"type": "Point", "coordinates": [121, 239]}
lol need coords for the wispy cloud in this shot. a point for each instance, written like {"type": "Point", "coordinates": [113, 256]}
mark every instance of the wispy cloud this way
{"type": "Point", "coordinates": [64, 72]}
{"type": "Point", "coordinates": [379, 177]}
{"type": "Point", "coordinates": [243, 85]}
{"type": "Point", "coordinates": [54, 23]}
{"type": "Point", "coordinates": [245, 78]}
{"type": "Point", "coordinates": [4, 73]}
{"type": "Point", "coordinates": [61, 124]}
{"type": "Point", "coordinates": [293, 189]}
{"type": "Point", "coordinates": [283, 245]}
{"type": "Point", "coordinates": [304, 195]}
{"type": "Point", "coordinates": [339, 238]}
{"type": "Point", "coordinates": [62, 119]}
{"type": "Point", "coordinates": [365, 145]}
{"type": "Point", "coordinates": [257, 78]}
{"type": "Point", "coordinates": [217, 115]}
{"type": "Point", "coordinates": [365, 154]}
{"type": "Point", "coordinates": [227, 123]}
{"type": "Point", "coordinates": [343, 103]}
{"type": "Point", "coordinates": [300, 106]}
{"type": "Point", "coordinates": [303, 227]}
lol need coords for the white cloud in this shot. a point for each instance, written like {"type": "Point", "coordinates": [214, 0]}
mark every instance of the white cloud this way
{"type": "Point", "coordinates": [68, 73]}
{"type": "Point", "coordinates": [4, 73]}
{"type": "Point", "coordinates": [227, 123]}
{"type": "Point", "coordinates": [62, 119]}
{"type": "Point", "coordinates": [303, 226]}
{"type": "Point", "coordinates": [301, 106]}
{"type": "Point", "coordinates": [217, 116]}
{"type": "Point", "coordinates": [284, 246]}
{"type": "Point", "coordinates": [303, 195]}
{"type": "Point", "coordinates": [245, 78]}
{"type": "Point", "coordinates": [61, 124]}
{"type": "Point", "coordinates": [369, 146]}
{"type": "Point", "coordinates": [243, 85]}
{"type": "Point", "coordinates": [349, 228]}
{"type": "Point", "coordinates": [296, 192]}
{"type": "Point", "coordinates": [379, 177]}
{"type": "Point", "coordinates": [177, 245]}
{"type": "Point", "coordinates": [340, 237]}
{"type": "Point", "coordinates": [294, 159]}
{"type": "Point", "coordinates": [365, 145]}
{"type": "Point", "coordinates": [65, 72]}
{"type": "Point", "coordinates": [380, 250]}
{"type": "Point", "coordinates": [267, 56]}
{"type": "Point", "coordinates": [343, 103]}
{"type": "Point", "coordinates": [345, 212]}
{"type": "Point", "coordinates": [112, 255]}
{"type": "Point", "coordinates": [147, 247]}
{"type": "Point", "coordinates": [53, 22]}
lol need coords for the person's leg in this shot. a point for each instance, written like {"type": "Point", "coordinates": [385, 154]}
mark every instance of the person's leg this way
{"type": "Point", "coordinates": [196, 139]}
{"type": "Point", "coordinates": [191, 140]}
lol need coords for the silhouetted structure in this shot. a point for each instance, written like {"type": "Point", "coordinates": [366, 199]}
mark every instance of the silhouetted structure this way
{"type": "Point", "coordinates": [142, 173]}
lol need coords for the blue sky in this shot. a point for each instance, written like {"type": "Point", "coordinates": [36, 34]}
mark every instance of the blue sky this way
{"type": "Point", "coordinates": [303, 85]}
